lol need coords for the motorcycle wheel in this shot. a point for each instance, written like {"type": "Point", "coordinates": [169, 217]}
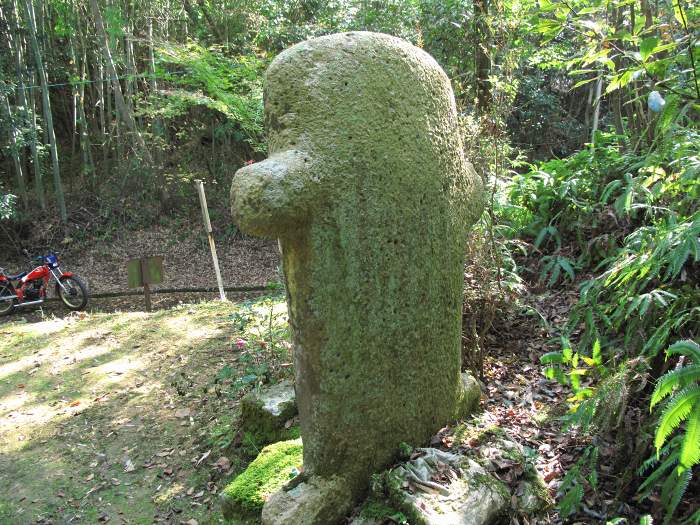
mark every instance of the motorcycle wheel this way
{"type": "Point", "coordinates": [73, 293]}
{"type": "Point", "coordinates": [6, 306]}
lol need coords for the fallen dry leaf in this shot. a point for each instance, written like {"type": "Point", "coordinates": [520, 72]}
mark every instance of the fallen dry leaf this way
{"type": "Point", "coordinates": [223, 463]}
{"type": "Point", "coordinates": [204, 456]}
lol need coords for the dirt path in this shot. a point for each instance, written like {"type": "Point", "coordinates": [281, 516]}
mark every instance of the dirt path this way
{"type": "Point", "coordinates": [134, 303]}
{"type": "Point", "coordinates": [125, 417]}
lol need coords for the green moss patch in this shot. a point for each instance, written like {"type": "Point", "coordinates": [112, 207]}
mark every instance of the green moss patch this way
{"type": "Point", "coordinates": [274, 466]}
{"type": "Point", "coordinates": [380, 511]}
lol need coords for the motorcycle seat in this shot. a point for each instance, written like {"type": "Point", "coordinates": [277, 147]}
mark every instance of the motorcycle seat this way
{"type": "Point", "coordinates": [16, 277]}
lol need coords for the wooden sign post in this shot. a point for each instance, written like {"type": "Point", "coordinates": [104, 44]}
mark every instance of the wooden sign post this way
{"type": "Point", "coordinates": [210, 236]}
{"type": "Point", "coordinates": [144, 272]}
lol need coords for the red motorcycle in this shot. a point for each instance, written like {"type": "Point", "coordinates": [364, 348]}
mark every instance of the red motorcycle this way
{"type": "Point", "coordinates": [30, 288]}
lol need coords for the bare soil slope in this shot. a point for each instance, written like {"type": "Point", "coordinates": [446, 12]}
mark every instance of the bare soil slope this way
{"type": "Point", "coordinates": [243, 260]}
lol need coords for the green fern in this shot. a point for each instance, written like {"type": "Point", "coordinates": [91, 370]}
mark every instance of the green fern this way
{"type": "Point", "coordinates": [678, 410]}
{"type": "Point", "coordinates": [676, 379]}
{"type": "Point", "coordinates": [686, 347]}
{"type": "Point", "coordinates": [682, 388]}
{"type": "Point", "coordinates": [690, 450]}
{"type": "Point", "coordinates": [683, 405]}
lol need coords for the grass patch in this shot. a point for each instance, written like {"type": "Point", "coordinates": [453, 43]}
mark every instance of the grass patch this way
{"type": "Point", "coordinates": [123, 415]}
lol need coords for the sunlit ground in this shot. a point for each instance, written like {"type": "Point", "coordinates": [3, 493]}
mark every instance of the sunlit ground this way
{"type": "Point", "coordinates": [108, 415]}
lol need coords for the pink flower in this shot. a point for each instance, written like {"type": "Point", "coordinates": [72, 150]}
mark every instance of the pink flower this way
{"type": "Point", "coordinates": [249, 162]}
{"type": "Point", "coordinates": [240, 344]}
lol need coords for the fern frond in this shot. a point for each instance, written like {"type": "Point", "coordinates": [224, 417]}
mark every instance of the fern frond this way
{"type": "Point", "coordinates": [672, 492]}
{"type": "Point", "coordinates": [690, 450]}
{"type": "Point", "coordinates": [694, 519]}
{"type": "Point", "coordinates": [676, 412]}
{"type": "Point", "coordinates": [685, 347]}
{"type": "Point", "coordinates": [654, 476]}
{"type": "Point", "coordinates": [677, 378]}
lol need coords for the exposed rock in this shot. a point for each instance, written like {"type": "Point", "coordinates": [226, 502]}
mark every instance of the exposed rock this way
{"type": "Point", "coordinates": [471, 394]}
{"type": "Point", "coordinates": [502, 455]}
{"type": "Point", "coordinates": [243, 498]}
{"type": "Point", "coordinates": [265, 413]}
{"type": "Point", "coordinates": [317, 501]}
{"type": "Point", "coordinates": [532, 496]}
{"type": "Point", "coordinates": [440, 488]}
{"type": "Point", "coordinates": [367, 188]}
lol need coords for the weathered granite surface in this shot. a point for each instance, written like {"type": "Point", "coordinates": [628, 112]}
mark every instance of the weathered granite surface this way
{"type": "Point", "coordinates": [265, 413]}
{"type": "Point", "coordinates": [367, 188]}
{"type": "Point", "coordinates": [440, 488]}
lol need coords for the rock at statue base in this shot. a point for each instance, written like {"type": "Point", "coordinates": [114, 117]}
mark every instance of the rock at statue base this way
{"type": "Point", "coordinates": [489, 482]}
{"type": "Point", "coordinates": [498, 454]}
{"type": "Point", "coordinates": [440, 488]}
{"type": "Point", "coordinates": [265, 414]}
{"type": "Point", "coordinates": [368, 191]}
{"type": "Point", "coordinates": [243, 498]}
{"type": "Point", "coordinates": [313, 502]}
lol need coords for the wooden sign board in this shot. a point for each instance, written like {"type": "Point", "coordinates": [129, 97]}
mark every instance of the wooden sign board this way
{"type": "Point", "coordinates": [146, 270]}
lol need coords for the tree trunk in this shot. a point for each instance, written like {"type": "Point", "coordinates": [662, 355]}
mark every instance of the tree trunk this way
{"type": "Point", "coordinates": [596, 110]}
{"type": "Point", "coordinates": [48, 117]}
{"type": "Point", "coordinates": [101, 100]}
{"type": "Point", "coordinates": [88, 165]}
{"type": "Point", "coordinates": [36, 161]}
{"type": "Point", "coordinates": [616, 98]}
{"type": "Point", "coordinates": [13, 133]}
{"type": "Point", "coordinates": [157, 122]}
{"type": "Point", "coordinates": [482, 61]}
{"type": "Point", "coordinates": [122, 109]}
{"type": "Point", "coordinates": [74, 92]}
{"type": "Point", "coordinates": [14, 41]}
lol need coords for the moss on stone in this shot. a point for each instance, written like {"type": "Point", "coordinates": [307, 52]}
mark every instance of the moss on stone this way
{"type": "Point", "coordinates": [535, 486]}
{"type": "Point", "coordinates": [273, 467]}
{"type": "Point", "coordinates": [494, 484]}
{"type": "Point", "coordinates": [368, 191]}
{"type": "Point", "coordinates": [264, 415]}
{"type": "Point", "coordinates": [380, 511]}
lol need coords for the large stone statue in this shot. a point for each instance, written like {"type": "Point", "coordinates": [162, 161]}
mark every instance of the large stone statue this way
{"type": "Point", "coordinates": [367, 189]}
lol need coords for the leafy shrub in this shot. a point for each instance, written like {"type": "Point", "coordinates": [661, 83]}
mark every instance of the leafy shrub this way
{"type": "Point", "coordinates": [632, 222]}
{"type": "Point", "coordinates": [206, 77]}
{"type": "Point", "coordinates": [7, 205]}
